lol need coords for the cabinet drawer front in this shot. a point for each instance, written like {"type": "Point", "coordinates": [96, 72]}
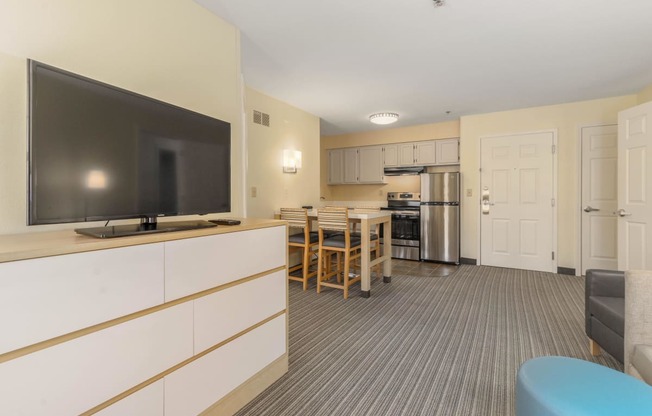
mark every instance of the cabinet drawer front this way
{"type": "Point", "coordinates": [145, 402]}
{"type": "Point", "coordinates": [225, 313]}
{"type": "Point", "coordinates": [51, 296]}
{"type": "Point", "coordinates": [197, 264]}
{"type": "Point", "coordinates": [76, 376]}
{"type": "Point", "coordinates": [196, 386]}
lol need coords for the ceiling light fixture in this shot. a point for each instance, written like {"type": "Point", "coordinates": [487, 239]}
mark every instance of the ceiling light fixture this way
{"type": "Point", "coordinates": [383, 118]}
{"type": "Point", "coordinates": [438, 3]}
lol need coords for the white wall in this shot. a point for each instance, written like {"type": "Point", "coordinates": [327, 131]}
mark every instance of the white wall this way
{"type": "Point", "coordinates": [290, 128]}
{"type": "Point", "coordinates": [173, 50]}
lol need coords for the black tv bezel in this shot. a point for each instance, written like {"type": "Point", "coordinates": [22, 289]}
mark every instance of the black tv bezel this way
{"type": "Point", "coordinates": [146, 217]}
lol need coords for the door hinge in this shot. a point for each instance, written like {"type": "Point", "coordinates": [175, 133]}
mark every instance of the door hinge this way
{"type": "Point", "coordinates": [554, 149]}
{"type": "Point", "coordinates": [552, 202]}
{"type": "Point", "coordinates": [553, 255]}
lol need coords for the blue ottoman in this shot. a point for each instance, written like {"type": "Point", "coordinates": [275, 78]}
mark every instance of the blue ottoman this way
{"type": "Point", "coordinates": [567, 386]}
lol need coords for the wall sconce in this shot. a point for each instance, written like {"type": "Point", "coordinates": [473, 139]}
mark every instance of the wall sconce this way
{"type": "Point", "coordinates": [96, 179]}
{"type": "Point", "coordinates": [291, 161]}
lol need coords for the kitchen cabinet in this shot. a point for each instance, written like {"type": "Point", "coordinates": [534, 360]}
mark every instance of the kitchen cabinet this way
{"type": "Point", "coordinates": [335, 166]}
{"type": "Point", "coordinates": [417, 153]}
{"type": "Point", "coordinates": [350, 165]}
{"type": "Point", "coordinates": [370, 164]}
{"type": "Point", "coordinates": [355, 165]}
{"type": "Point", "coordinates": [390, 155]}
{"type": "Point", "coordinates": [406, 154]}
{"type": "Point", "coordinates": [447, 152]}
{"type": "Point", "coordinates": [365, 165]}
{"type": "Point", "coordinates": [424, 153]}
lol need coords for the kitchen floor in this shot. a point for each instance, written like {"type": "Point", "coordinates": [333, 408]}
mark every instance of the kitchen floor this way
{"type": "Point", "coordinates": [421, 268]}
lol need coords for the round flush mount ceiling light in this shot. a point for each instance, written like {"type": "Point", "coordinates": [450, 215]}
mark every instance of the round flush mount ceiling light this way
{"type": "Point", "coordinates": [383, 118]}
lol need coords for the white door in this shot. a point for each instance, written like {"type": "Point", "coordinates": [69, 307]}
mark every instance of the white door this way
{"type": "Point", "coordinates": [517, 227]}
{"type": "Point", "coordinates": [634, 188]}
{"type": "Point", "coordinates": [599, 197]}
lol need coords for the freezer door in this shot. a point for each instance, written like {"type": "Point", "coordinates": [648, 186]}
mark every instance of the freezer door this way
{"type": "Point", "coordinates": [440, 233]}
{"type": "Point", "coordinates": [440, 187]}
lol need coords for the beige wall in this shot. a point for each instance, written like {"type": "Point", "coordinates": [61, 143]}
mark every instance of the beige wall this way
{"type": "Point", "coordinates": [175, 51]}
{"type": "Point", "coordinates": [443, 130]}
{"type": "Point", "coordinates": [645, 95]}
{"type": "Point", "coordinates": [290, 128]}
{"type": "Point", "coordinates": [566, 119]}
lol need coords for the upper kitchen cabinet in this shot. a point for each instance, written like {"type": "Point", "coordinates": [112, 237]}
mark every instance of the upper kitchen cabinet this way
{"type": "Point", "coordinates": [356, 165]}
{"type": "Point", "coordinates": [390, 155]}
{"type": "Point", "coordinates": [335, 166]}
{"type": "Point", "coordinates": [447, 152]}
{"type": "Point", "coordinates": [406, 154]}
{"type": "Point", "coordinates": [424, 153]}
{"type": "Point", "coordinates": [417, 153]}
{"type": "Point", "coordinates": [370, 161]}
{"type": "Point", "coordinates": [351, 165]}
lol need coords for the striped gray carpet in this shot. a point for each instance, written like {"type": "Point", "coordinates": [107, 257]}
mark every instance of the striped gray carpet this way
{"type": "Point", "coordinates": [425, 344]}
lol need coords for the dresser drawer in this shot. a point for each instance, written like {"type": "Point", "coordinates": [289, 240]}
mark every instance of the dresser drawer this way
{"type": "Point", "coordinates": [225, 313]}
{"type": "Point", "coordinates": [198, 385]}
{"type": "Point", "coordinates": [75, 376]}
{"type": "Point", "coordinates": [46, 297]}
{"type": "Point", "coordinates": [196, 264]}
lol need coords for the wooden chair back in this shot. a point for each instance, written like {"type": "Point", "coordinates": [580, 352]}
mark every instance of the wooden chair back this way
{"type": "Point", "coordinates": [333, 219]}
{"type": "Point", "coordinates": [296, 217]}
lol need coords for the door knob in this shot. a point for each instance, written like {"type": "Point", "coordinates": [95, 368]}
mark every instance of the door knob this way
{"type": "Point", "coordinates": [589, 208]}
{"type": "Point", "coordinates": [622, 213]}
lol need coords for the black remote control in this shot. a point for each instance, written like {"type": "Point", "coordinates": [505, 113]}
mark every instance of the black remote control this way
{"type": "Point", "coordinates": [225, 222]}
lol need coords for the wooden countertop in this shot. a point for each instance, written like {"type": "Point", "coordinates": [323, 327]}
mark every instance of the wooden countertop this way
{"type": "Point", "coordinates": [53, 243]}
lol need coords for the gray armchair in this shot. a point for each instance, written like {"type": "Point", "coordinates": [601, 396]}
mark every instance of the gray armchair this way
{"type": "Point", "coordinates": [638, 324]}
{"type": "Point", "coordinates": [605, 311]}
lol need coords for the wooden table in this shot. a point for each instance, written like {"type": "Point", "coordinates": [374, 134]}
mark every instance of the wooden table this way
{"type": "Point", "coordinates": [366, 220]}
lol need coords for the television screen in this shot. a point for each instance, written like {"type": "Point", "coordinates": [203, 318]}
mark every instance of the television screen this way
{"type": "Point", "coordinates": [98, 152]}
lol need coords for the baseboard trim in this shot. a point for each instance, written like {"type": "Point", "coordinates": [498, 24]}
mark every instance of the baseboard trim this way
{"type": "Point", "coordinates": [566, 270]}
{"type": "Point", "coordinates": [472, 262]}
{"type": "Point", "coordinates": [247, 391]}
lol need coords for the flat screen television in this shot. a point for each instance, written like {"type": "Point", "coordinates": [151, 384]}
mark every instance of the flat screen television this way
{"type": "Point", "coordinates": [98, 152]}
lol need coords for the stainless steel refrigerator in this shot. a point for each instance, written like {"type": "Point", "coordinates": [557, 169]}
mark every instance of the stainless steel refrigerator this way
{"type": "Point", "coordinates": [440, 217]}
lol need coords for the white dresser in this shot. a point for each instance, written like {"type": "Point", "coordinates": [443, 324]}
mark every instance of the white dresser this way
{"type": "Point", "coordinates": [167, 324]}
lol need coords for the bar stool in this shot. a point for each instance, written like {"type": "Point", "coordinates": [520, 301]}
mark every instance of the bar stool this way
{"type": "Point", "coordinates": [305, 241]}
{"type": "Point", "coordinates": [336, 219]}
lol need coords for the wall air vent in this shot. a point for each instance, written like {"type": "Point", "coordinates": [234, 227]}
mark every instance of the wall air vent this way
{"type": "Point", "coordinates": [261, 118]}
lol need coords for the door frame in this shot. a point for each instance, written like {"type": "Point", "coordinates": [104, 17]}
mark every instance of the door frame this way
{"type": "Point", "coordinates": [578, 204]}
{"type": "Point", "coordinates": [555, 177]}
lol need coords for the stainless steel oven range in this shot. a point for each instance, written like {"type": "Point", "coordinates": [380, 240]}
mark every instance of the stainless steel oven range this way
{"type": "Point", "coordinates": [405, 224]}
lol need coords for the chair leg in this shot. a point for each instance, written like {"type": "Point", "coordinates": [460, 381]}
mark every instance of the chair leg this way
{"type": "Point", "coordinates": [320, 268]}
{"type": "Point", "coordinates": [306, 266]}
{"type": "Point", "coordinates": [594, 348]}
{"type": "Point", "coordinates": [346, 274]}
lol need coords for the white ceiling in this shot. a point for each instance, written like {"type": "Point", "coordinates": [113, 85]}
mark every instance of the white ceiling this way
{"type": "Point", "coordinates": [343, 60]}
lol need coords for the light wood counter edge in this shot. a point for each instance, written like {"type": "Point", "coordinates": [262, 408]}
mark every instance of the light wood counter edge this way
{"type": "Point", "coordinates": [248, 390]}
{"type": "Point", "coordinates": [54, 243]}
